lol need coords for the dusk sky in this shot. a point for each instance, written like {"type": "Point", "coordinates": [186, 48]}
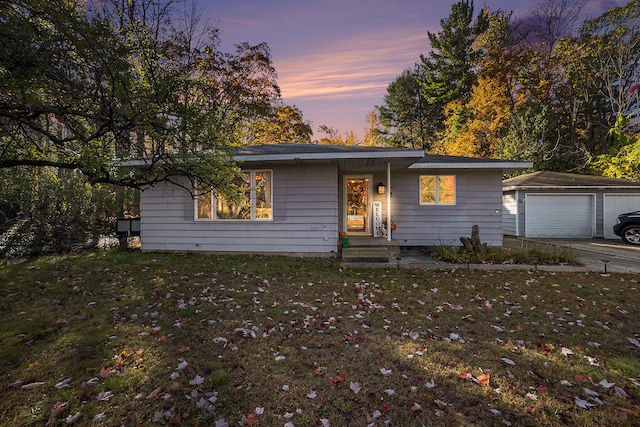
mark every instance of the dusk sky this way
{"type": "Point", "coordinates": [335, 58]}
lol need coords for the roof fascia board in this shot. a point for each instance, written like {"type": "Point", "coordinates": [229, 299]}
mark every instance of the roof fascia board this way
{"type": "Point", "coordinates": [329, 156]}
{"type": "Point", "coordinates": [473, 165]}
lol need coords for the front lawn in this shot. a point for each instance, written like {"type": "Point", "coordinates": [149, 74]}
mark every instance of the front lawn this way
{"type": "Point", "coordinates": [127, 338]}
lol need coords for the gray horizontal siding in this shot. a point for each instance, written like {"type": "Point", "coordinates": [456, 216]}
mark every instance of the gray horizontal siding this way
{"type": "Point", "coordinates": [305, 218]}
{"type": "Point", "coordinates": [478, 201]}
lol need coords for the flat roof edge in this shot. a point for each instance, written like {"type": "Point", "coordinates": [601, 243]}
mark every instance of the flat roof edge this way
{"type": "Point", "coordinates": [473, 165]}
{"type": "Point", "coordinates": [329, 156]}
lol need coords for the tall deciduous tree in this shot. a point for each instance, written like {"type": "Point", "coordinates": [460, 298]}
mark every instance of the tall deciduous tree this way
{"type": "Point", "coordinates": [373, 132]}
{"type": "Point", "coordinates": [284, 124]}
{"type": "Point", "coordinates": [476, 127]}
{"type": "Point", "coordinates": [94, 85]}
{"type": "Point", "coordinates": [623, 159]}
{"type": "Point", "coordinates": [334, 137]}
{"type": "Point", "coordinates": [614, 41]}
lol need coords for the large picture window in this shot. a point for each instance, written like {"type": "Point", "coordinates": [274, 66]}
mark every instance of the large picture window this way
{"type": "Point", "coordinates": [437, 190]}
{"type": "Point", "coordinates": [254, 201]}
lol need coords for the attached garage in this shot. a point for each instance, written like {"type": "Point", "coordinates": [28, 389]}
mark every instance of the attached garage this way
{"type": "Point", "coordinates": [563, 205]}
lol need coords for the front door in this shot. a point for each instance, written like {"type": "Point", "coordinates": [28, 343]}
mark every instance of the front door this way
{"type": "Point", "coordinates": [358, 204]}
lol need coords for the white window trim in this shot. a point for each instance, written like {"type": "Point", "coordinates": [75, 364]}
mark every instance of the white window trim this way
{"type": "Point", "coordinates": [437, 198]}
{"type": "Point", "coordinates": [253, 218]}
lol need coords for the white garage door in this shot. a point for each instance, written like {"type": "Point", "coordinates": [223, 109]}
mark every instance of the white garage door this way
{"type": "Point", "coordinates": [614, 205]}
{"type": "Point", "coordinates": [559, 215]}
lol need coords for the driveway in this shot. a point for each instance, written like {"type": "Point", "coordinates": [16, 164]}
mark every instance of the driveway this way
{"type": "Point", "coordinates": [595, 254]}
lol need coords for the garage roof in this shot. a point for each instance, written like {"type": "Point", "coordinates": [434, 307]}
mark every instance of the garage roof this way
{"type": "Point", "coordinates": [560, 180]}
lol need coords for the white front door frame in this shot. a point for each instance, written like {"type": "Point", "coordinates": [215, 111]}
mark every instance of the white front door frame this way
{"type": "Point", "coordinates": [369, 208]}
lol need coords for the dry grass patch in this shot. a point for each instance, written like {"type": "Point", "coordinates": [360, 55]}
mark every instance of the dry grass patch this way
{"type": "Point", "coordinates": [129, 338]}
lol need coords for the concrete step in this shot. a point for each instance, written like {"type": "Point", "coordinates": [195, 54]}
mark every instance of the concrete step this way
{"type": "Point", "coordinates": [365, 254]}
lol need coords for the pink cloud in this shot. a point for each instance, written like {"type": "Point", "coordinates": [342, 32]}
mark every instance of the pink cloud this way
{"type": "Point", "coordinates": [362, 65]}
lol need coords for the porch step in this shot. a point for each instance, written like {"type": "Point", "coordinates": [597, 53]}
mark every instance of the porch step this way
{"type": "Point", "coordinates": [365, 254]}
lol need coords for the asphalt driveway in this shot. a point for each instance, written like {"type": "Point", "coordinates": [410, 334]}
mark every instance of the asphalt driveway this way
{"type": "Point", "coordinates": [595, 254]}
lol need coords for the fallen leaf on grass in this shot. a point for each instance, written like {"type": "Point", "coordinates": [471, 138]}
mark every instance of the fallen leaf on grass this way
{"type": "Point", "coordinates": [483, 379]}
{"type": "Point", "coordinates": [567, 351]}
{"type": "Point", "coordinates": [104, 396]}
{"type": "Point", "coordinates": [73, 418]}
{"type": "Point", "coordinates": [57, 408]}
{"type": "Point", "coordinates": [63, 384]}
{"type": "Point", "coordinates": [386, 372]}
{"type": "Point", "coordinates": [508, 361]}
{"type": "Point", "coordinates": [634, 341]}
{"type": "Point", "coordinates": [620, 392]}
{"type": "Point", "coordinates": [441, 403]}
{"type": "Point", "coordinates": [606, 384]}
{"type": "Point", "coordinates": [249, 420]}
{"type": "Point", "coordinates": [468, 376]}
{"type": "Point", "coordinates": [33, 385]}
{"type": "Point", "coordinates": [355, 387]}
{"type": "Point", "coordinates": [338, 380]}
{"type": "Point", "coordinates": [197, 380]}
{"type": "Point", "coordinates": [91, 383]}
{"type": "Point", "coordinates": [416, 407]}
{"type": "Point", "coordinates": [583, 403]}
{"type": "Point", "coordinates": [155, 393]}
{"type": "Point", "coordinates": [544, 348]}
{"type": "Point", "coordinates": [105, 373]}
{"type": "Point", "coordinates": [593, 361]}
{"type": "Point", "coordinates": [590, 392]}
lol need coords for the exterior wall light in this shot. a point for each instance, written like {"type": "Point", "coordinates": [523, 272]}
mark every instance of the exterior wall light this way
{"type": "Point", "coordinates": [381, 188]}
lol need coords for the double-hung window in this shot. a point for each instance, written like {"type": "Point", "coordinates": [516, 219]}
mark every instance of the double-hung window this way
{"type": "Point", "coordinates": [437, 190]}
{"type": "Point", "coordinates": [252, 202]}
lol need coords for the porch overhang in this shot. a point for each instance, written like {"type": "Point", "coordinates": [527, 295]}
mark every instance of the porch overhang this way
{"type": "Point", "coordinates": [469, 163]}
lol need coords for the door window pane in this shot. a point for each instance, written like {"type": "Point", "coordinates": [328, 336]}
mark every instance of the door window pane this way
{"type": "Point", "coordinates": [358, 205]}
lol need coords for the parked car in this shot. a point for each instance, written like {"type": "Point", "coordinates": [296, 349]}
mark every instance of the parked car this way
{"type": "Point", "coordinates": [628, 227]}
